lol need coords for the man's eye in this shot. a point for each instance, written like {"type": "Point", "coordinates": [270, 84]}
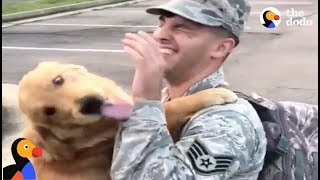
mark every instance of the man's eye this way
{"type": "Point", "coordinates": [182, 28]}
{"type": "Point", "coordinates": [179, 26]}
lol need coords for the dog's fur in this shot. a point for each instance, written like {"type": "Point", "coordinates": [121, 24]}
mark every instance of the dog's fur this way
{"type": "Point", "coordinates": [77, 145]}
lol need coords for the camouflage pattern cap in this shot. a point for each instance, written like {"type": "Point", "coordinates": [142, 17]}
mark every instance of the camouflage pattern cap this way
{"type": "Point", "coordinates": [230, 14]}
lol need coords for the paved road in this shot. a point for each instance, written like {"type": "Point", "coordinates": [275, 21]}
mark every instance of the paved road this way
{"type": "Point", "coordinates": [279, 63]}
{"type": "Point", "coordinates": [91, 32]}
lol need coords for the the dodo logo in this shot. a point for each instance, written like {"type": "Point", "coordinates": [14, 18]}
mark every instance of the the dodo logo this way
{"type": "Point", "coordinates": [270, 17]}
{"type": "Point", "coordinates": [22, 149]}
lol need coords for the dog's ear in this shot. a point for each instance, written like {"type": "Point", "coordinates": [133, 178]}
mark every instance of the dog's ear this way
{"type": "Point", "coordinates": [52, 64]}
{"type": "Point", "coordinates": [47, 63]}
{"type": "Point", "coordinates": [117, 110]}
{"type": "Point", "coordinates": [76, 68]}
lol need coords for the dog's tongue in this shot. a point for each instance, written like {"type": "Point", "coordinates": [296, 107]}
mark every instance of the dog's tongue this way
{"type": "Point", "coordinates": [117, 110]}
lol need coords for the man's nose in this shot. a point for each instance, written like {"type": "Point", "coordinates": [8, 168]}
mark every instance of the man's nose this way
{"type": "Point", "coordinates": [161, 34]}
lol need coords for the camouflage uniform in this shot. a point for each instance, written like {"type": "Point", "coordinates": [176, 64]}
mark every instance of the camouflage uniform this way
{"type": "Point", "coordinates": [220, 142]}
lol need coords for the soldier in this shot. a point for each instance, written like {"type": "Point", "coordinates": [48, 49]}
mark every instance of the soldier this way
{"type": "Point", "coordinates": [187, 50]}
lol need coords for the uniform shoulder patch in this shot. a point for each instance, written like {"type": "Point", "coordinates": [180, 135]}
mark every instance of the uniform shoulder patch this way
{"type": "Point", "coordinates": [206, 164]}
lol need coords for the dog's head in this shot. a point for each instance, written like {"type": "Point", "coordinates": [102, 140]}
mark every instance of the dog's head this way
{"type": "Point", "coordinates": [67, 94]}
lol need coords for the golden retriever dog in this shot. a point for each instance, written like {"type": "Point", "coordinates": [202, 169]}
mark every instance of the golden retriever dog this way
{"type": "Point", "coordinates": [62, 104]}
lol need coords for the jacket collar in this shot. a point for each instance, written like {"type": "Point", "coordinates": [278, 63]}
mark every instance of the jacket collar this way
{"type": "Point", "coordinates": [211, 81]}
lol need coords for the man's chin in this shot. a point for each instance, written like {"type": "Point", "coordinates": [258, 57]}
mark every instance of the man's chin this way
{"type": "Point", "coordinates": [170, 74]}
{"type": "Point", "coordinates": [166, 56]}
{"type": "Point", "coordinates": [171, 59]}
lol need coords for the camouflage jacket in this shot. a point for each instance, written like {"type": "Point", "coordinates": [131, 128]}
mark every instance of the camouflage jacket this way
{"type": "Point", "coordinates": [220, 142]}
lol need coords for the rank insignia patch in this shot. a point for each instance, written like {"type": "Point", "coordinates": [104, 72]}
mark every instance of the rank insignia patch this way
{"type": "Point", "coordinates": [206, 164]}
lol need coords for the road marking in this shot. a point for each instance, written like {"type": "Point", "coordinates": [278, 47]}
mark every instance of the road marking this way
{"type": "Point", "coordinates": [251, 13]}
{"type": "Point", "coordinates": [63, 49]}
{"type": "Point", "coordinates": [119, 11]}
{"type": "Point", "coordinates": [90, 25]}
{"type": "Point", "coordinates": [281, 3]}
{"type": "Point", "coordinates": [96, 25]}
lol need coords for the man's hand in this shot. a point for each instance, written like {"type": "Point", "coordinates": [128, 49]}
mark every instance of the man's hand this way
{"type": "Point", "coordinates": [149, 65]}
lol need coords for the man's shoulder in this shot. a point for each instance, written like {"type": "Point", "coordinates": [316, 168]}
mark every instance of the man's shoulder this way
{"type": "Point", "coordinates": [238, 116]}
{"type": "Point", "coordinates": [235, 120]}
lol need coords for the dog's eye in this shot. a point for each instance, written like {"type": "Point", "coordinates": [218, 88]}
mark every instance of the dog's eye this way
{"type": "Point", "coordinates": [58, 80]}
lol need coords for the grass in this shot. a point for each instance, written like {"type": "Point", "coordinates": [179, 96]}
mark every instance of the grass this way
{"type": "Point", "coordinates": [28, 5]}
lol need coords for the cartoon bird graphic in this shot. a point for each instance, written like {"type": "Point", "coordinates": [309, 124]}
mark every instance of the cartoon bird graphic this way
{"type": "Point", "coordinates": [21, 150]}
{"type": "Point", "coordinates": [268, 17]}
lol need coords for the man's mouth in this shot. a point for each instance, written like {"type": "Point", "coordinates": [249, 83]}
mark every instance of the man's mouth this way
{"type": "Point", "coordinates": [167, 51]}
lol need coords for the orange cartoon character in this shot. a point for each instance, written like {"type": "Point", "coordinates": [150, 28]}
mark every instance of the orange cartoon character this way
{"type": "Point", "coordinates": [269, 17]}
{"type": "Point", "coordinates": [21, 150]}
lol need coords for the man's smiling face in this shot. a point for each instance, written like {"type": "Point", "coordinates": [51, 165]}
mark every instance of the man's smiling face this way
{"type": "Point", "coordinates": [184, 44]}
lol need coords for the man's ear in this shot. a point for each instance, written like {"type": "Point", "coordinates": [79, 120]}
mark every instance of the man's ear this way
{"type": "Point", "coordinates": [222, 48]}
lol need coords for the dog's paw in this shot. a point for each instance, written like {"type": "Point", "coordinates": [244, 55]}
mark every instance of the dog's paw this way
{"type": "Point", "coordinates": [217, 96]}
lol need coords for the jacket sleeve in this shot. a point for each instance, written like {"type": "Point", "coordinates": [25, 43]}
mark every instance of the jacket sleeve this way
{"type": "Point", "coordinates": [215, 145]}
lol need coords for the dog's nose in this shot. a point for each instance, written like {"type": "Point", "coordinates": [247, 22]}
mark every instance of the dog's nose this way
{"type": "Point", "coordinates": [49, 111]}
{"type": "Point", "coordinates": [90, 105]}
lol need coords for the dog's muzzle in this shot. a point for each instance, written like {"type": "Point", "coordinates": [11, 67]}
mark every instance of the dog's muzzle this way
{"type": "Point", "coordinates": [90, 105]}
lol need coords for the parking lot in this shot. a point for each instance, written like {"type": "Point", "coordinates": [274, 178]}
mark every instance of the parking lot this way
{"type": "Point", "coordinates": [93, 39]}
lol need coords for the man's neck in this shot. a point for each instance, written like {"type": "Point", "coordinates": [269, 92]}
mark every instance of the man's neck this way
{"type": "Point", "coordinates": [177, 90]}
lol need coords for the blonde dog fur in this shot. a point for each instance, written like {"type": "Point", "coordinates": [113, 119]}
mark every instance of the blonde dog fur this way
{"type": "Point", "coordinates": [79, 146]}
